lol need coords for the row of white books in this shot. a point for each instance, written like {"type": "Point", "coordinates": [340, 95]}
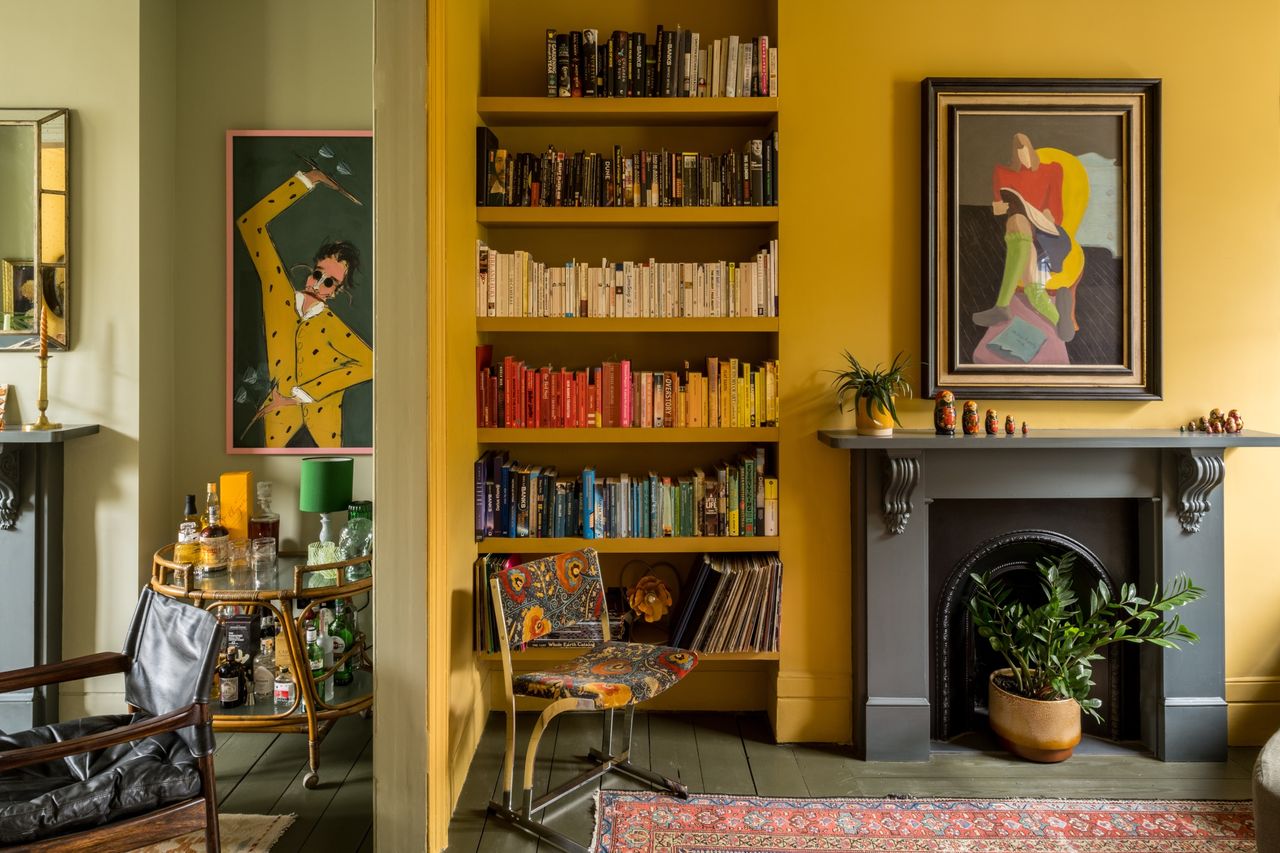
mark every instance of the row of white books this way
{"type": "Point", "coordinates": [515, 285]}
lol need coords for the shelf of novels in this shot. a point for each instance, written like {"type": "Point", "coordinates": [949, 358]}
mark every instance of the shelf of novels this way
{"type": "Point", "coordinates": [555, 654]}
{"type": "Point", "coordinates": [628, 217]}
{"type": "Point", "coordinates": [588, 112]}
{"type": "Point", "coordinates": [628, 435]}
{"type": "Point", "coordinates": [628, 325]}
{"type": "Point", "coordinates": [534, 545]}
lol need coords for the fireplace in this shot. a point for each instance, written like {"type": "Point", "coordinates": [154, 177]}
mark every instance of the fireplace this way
{"type": "Point", "coordinates": [961, 661]}
{"type": "Point", "coordinates": [1137, 506]}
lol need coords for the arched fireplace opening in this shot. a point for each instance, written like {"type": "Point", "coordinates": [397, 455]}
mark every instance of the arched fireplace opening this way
{"type": "Point", "coordinates": [963, 661]}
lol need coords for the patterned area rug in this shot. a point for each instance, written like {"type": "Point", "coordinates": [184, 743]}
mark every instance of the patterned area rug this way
{"type": "Point", "coordinates": [629, 822]}
{"type": "Point", "coordinates": [241, 833]}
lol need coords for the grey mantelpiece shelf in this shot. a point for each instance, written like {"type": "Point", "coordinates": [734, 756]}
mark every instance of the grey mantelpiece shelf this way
{"type": "Point", "coordinates": [1047, 439]}
{"type": "Point", "coordinates": [13, 434]}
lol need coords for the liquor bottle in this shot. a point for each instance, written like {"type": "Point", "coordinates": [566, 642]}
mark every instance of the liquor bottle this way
{"type": "Point", "coordinates": [286, 690]}
{"type": "Point", "coordinates": [211, 501]}
{"type": "Point", "coordinates": [342, 643]}
{"type": "Point", "coordinates": [187, 549]}
{"type": "Point", "coordinates": [264, 666]}
{"type": "Point", "coordinates": [356, 539]}
{"type": "Point", "coordinates": [264, 522]}
{"type": "Point", "coordinates": [189, 512]}
{"type": "Point", "coordinates": [214, 540]}
{"type": "Point", "coordinates": [315, 654]}
{"type": "Point", "coordinates": [231, 684]}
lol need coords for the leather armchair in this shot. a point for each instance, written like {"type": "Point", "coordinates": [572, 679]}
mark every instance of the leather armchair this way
{"type": "Point", "coordinates": [117, 782]}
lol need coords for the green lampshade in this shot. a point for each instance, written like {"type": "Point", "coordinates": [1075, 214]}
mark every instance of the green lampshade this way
{"type": "Point", "coordinates": [326, 483]}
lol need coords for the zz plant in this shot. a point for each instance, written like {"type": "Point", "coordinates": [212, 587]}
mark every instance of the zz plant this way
{"type": "Point", "coordinates": [1051, 648]}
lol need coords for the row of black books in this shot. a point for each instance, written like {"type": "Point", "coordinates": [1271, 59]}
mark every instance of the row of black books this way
{"type": "Point", "coordinates": [676, 64]}
{"type": "Point", "coordinates": [732, 603]}
{"type": "Point", "coordinates": [662, 178]}
{"type": "Point", "coordinates": [737, 498]}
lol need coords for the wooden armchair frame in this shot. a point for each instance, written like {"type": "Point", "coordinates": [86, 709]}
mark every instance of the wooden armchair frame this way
{"type": "Point", "coordinates": [606, 760]}
{"type": "Point", "coordinates": [197, 813]}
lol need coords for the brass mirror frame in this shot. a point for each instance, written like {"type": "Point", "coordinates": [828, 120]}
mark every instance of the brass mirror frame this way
{"type": "Point", "coordinates": [48, 272]}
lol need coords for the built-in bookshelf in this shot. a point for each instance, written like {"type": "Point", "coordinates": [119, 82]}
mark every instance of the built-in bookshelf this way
{"type": "Point", "coordinates": [512, 103]}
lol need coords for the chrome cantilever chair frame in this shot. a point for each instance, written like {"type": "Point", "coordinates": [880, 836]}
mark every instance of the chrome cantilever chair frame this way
{"type": "Point", "coordinates": [606, 760]}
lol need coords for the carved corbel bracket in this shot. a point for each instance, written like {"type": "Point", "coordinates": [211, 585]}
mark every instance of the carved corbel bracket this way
{"type": "Point", "coordinates": [8, 486]}
{"type": "Point", "coordinates": [901, 474]}
{"type": "Point", "coordinates": [1198, 476]}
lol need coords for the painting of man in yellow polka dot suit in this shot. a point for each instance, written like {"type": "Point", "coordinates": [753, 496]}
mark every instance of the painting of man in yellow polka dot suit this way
{"type": "Point", "coordinates": [295, 398]}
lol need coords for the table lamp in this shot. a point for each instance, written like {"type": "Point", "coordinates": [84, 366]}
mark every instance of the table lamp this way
{"type": "Point", "coordinates": [325, 487]}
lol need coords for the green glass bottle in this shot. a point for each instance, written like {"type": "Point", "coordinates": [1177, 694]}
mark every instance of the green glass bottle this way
{"type": "Point", "coordinates": [340, 631]}
{"type": "Point", "coordinates": [315, 654]}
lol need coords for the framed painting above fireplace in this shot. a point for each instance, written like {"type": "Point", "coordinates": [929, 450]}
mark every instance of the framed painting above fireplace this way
{"type": "Point", "coordinates": [1041, 238]}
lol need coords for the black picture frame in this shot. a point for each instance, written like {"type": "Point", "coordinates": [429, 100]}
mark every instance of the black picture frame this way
{"type": "Point", "coordinates": [1023, 347]}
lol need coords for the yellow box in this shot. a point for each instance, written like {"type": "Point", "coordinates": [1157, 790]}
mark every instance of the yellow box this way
{"type": "Point", "coordinates": [236, 490]}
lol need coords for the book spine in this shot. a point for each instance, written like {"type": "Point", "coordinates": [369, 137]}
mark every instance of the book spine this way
{"type": "Point", "coordinates": [564, 80]}
{"type": "Point", "coordinates": [552, 77]}
{"type": "Point", "coordinates": [667, 75]}
{"type": "Point", "coordinates": [762, 66]}
{"type": "Point", "coordinates": [773, 72]}
{"type": "Point", "coordinates": [589, 508]}
{"type": "Point", "coordinates": [620, 83]}
{"type": "Point", "coordinates": [575, 63]}
{"type": "Point", "coordinates": [636, 75]}
{"type": "Point", "coordinates": [691, 85]}
{"type": "Point", "coordinates": [731, 68]}
{"type": "Point", "coordinates": [625, 383]}
{"type": "Point", "coordinates": [590, 62]}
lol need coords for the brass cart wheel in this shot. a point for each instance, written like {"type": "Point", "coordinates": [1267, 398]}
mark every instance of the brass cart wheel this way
{"type": "Point", "coordinates": [311, 781]}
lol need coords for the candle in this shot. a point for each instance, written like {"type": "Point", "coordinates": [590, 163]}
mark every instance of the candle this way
{"type": "Point", "coordinates": [44, 331]}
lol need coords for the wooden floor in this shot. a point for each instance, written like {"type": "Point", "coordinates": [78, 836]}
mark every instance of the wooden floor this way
{"type": "Point", "coordinates": [734, 754]}
{"type": "Point", "coordinates": [262, 774]}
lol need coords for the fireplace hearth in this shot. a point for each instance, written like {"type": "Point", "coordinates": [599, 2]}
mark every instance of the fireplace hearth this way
{"type": "Point", "coordinates": [1140, 506]}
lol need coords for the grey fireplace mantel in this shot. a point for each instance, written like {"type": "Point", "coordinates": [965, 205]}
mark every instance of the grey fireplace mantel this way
{"type": "Point", "coordinates": [1177, 478]}
{"type": "Point", "coordinates": [31, 490]}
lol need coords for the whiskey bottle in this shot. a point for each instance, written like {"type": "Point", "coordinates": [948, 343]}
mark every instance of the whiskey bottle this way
{"type": "Point", "coordinates": [189, 513]}
{"type": "Point", "coordinates": [264, 522]}
{"type": "Point", "coordinates": [214, 541]}
{"type": "Point", "coordinates": [231, 681]}
{"type": "Point", "coordinates": [211, 501]}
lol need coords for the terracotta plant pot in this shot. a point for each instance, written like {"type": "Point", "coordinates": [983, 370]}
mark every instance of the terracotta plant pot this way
{"type": "Point", "coordinates": [879, 424]}
{"type": "Point", "coordinates": [1035, 729]}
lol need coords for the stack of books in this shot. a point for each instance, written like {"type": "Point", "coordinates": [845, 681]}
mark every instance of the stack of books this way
{"type": "Point", "coordinates": [513, 500]}
{"type": "Point", "coordinates": [661, 178]}
{"type": "Point", "coordinates": [730, 393]}
{"type": "Point", "coordinates": [515, 285]}
{"type": "Point", "coordinates": [676, 64]}
{"type": "Point", "coordinates": [732, 603]}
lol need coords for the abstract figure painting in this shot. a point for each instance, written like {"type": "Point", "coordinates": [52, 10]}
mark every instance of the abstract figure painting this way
{"type": "Point", "coordinates": [1041, 238]}
{"type": "Point", "coordinates": [299, 292]}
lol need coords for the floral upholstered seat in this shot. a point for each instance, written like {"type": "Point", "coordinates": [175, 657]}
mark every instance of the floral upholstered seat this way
{"type": "Point", "coordinates": [612, 675]}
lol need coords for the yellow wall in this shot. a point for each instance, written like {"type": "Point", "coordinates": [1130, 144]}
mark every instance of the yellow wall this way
{"type": "Point", "coordinates": [850, 258]}
{"type": "Point", "coordinates": [850, 277]}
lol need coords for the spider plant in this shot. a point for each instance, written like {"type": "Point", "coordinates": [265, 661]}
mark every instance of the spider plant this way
{"type": "Point", "coordinates": [1051, 648]}
{"type": "Point", "coordinates": [872, 386]}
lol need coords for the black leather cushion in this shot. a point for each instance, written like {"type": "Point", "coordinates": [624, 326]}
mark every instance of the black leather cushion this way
{"type": "Point", "coordinates": [88, 790]}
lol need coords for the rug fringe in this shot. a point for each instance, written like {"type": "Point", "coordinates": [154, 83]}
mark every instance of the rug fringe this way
{"type": "Point", "coordinates": [597, 814]}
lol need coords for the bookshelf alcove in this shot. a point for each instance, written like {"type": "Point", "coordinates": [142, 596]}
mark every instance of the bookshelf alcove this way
{"type": "Point", "coordinates": [494, 60]}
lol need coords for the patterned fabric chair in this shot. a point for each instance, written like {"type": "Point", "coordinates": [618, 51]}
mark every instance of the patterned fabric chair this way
{"type": "Point", "coordinates": [531, 601]}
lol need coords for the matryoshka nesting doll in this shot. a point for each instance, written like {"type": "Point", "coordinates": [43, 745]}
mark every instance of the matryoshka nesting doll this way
{"type": "Point", "coordinates": [944, 413]}
{"type": "Point", "coordinates": [970, 418]}
{"type": "Point", "coordinates": [993, 422]}
{"type": "Point", "coordinates": [1008, 425]}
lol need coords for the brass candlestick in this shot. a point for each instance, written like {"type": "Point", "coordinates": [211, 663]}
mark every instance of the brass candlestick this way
{"type": "Point", "coordinates": [42, 402]}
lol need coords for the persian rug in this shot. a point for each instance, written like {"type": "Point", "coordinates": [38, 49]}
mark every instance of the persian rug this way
{"type": "Point", "coordinates": [630, 822]}
{"type": "Point", "coordinates": [241, 833]}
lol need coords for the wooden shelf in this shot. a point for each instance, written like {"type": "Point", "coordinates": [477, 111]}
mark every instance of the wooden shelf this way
{"type": "Point", "coordinates": [582, 112]}
{"type": "Point", "coordinates": [615, 325]}
{"type": "Point", "coordinates": [618, 217]}
{"type": "Point", "coordinates": [628, 435]}
{"type": "Point", "coordinates": [664, 545]}
{"type": "Point", "coordinates": [543, 655]}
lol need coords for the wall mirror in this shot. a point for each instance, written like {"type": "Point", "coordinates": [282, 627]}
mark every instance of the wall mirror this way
{"type": "Point", "coordinates": [34, 227]}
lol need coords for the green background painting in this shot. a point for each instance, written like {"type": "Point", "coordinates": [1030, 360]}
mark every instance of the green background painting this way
{"type": "Point", "coordinates": [259, 164]}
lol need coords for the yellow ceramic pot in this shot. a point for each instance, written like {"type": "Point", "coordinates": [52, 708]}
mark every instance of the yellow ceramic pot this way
{"type": "Point", "coordinates": [1035, 729]}
{"type": "Point", "coordinates": [880, 422]}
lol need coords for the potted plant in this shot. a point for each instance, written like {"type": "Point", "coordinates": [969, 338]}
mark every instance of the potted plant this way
{"type": "Point", "coordinates": [873, 392]}
{"type": "Point", "coordinates": [1035, 702]}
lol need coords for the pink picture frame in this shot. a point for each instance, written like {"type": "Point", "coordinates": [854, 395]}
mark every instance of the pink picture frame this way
{"type": "Point", "coordinates": [299, 298]}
